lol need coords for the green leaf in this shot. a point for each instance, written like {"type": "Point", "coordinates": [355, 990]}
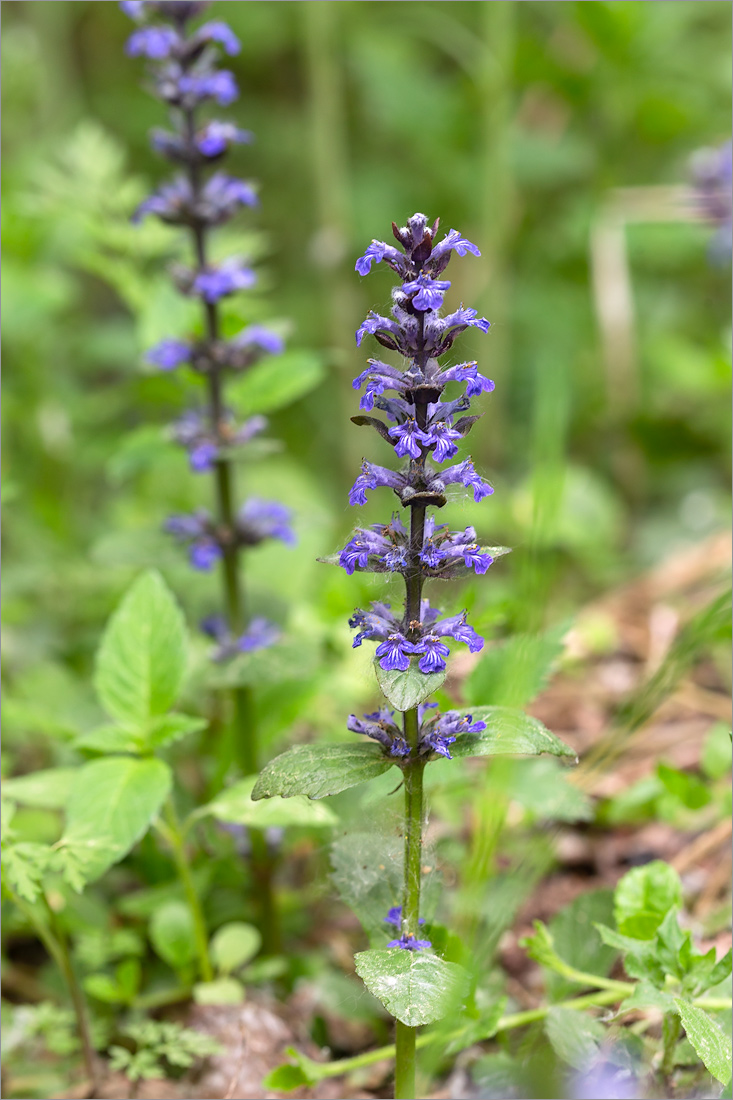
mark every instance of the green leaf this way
{"type": "Point", "coordinates": [509, 731]}
{"type": "Point", "coordinates": [513, 673]}
{"type": "Point", "coordinates": [276, 382]}
{"type": "Point", "coordinates": [414, 987]}
{"type": "Point", "coordinates": [111, 806]}
{"type": "Point", "coordinates": [578, 943]}
{"type": "Point", "coordinates": [643, 898]}
{"type": "Point", "coordinates": [285, 1078]}
{"type": "Point", "coordinates": [48, 789]}
{"type": "Point", "coordinates": [711, 1044]}
{"type": "Point", "coordinates": [142, 658]}
{"type": "Point", "coordinates": [233, 945]}
{"type": "Point", "coordinates": [320, 770]}
{"type": "Point", "coordinates": [104, 988]}
{"type": "Point", "coordinates": [172, 934]}
{"type": "Point", "coordinates": [574, 1037]}
{"type": "Point", "coordinates": [716, 752]}
{"type": "Point", "coordinates": [235, 805]}
{"type": "Point", "coordinates": [171, 727]}
{"type": "Point", "coordinates": [690, 790]}
{"type": "Point", "coordinates": [109, 739]}
{"type": "Point", "coordinates": [646, 995]}
{"type": "Point", "coordinates": [23, 868]}
{"type": "Point", "coordinates": [223, 991]}
{"type": "Point", "coordinates": [406, 690]}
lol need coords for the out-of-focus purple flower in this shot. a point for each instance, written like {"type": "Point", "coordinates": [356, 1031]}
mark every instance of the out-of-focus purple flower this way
{"type": "Point", "coordinates": [202, 457]}
{"type": "Point", "coordinates": [260, 337]}
{"type": "Point", "coordinates": [220, 86]}
{"type": "Point", "coordinates": [134, 8]}
{"type": "Point", "coordinates": [394, 916]}
{"type": "Point", "coordinates": [264, 519]}
{"type": "Point", "coordinates": [204, 553]}
{"type": "Point", "coordinates": [409, 942]}
{"type": "Point", "coordinates": [216, 137]}
{"type": "Point", "coordinates": [711, 171]}
{"type": "Point", "coordinates": [169, 354]}
{"type": "Point", "coordinates": [155, 43]}
{"type": "Point", "coordinates": [217, 282]}
{"type": "Point", "coordinates": [604, 1081]}
{"type": "Point", "coordinates": [260, 634]}
{"type": "Point", "coordinates": [221, 33]}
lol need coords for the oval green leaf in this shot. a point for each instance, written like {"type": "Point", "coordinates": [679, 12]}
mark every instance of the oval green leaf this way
{"type": "Point", "coordinates": [235, 805]}
{"type": "Point", "coordinates": [414, 987]}
{"type": "Point", "coordinates": [317, 771]}
{"type": "Point", "coordinates": [512, 732]}
{"type": "Point", "coordinates": [142, 658]}
{"type": "Point", "coordinates": [233, 945]}
{"type": "Point", "coordinates": [111, 806]}
{"type": "Point", "coordinates": [173, 935]}
{"type": "Point", "coordinates": [406, 690]}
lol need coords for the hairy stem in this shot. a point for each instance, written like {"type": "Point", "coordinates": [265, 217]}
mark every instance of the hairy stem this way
{"type": "Point", "coordinates": [174, 835]}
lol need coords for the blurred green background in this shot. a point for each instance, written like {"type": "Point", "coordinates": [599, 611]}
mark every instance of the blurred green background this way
{"type": "Point", "coordinates": [514, 122]}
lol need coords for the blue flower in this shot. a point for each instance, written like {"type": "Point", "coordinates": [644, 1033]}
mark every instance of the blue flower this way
{"type": "Point", "coordinates": [379, 251]}
{"type": "Point", "coordinates": [465, 474]}
{"type": "Point", "coordinates": [426, 293]}
{"type": "Point", "coordinates": [453, 241]}
{"type": "Point", "coordinates": [169, 354]}
{"type": "Point", "coordinates": [202, 456]}
{"type": "Point", "coordinates": [375, 324]}
{"type": "Point", "coordinates": [441, 436]}
{"type": "Point", "coordinates": [394, 653]}
{"type": "Point", "coordinates": [409, 437]}
{"type": "Point", "coordinates": [433, 651]}
{"type": "Point", "coordinates": [456, 627]}
{"type": "Point", "coordinates": [408, 941]}
{"type": "Point", "coordinates": [371, 477]}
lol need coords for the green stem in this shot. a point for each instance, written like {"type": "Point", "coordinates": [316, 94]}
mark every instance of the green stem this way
{"type": "Point", "coordinates": [262, 872]}
{"type": "Point", "coordinates": [54, 940]}
{"type": "Point", "coordinates": [671, 1027]}
{"type": "Point", "coordinates": [405, 1037]}
{"type": "Point", "coordinates": [404, 1073]}
{"type": "Point", "coordinates": [317, 1070]}
{"type": "Point", "coordinates": [174, 835]}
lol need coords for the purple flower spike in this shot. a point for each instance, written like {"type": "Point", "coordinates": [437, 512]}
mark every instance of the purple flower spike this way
{"type": "Point", "coordinates": [409, 942]}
